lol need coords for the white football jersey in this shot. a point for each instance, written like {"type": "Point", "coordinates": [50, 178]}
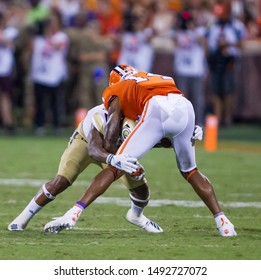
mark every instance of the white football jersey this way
{"type": "Point", "coordinates": [96, 117]}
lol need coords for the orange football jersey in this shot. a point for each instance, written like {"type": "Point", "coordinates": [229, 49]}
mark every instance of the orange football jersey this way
{"type": "Point", "coordinates": [134, 91]}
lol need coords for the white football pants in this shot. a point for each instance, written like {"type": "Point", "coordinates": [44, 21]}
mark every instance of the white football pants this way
{"type": "Point", "coordinates": [169, 116]}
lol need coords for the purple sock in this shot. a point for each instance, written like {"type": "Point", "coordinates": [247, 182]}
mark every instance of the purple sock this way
{"type": "Point", "coordinates": [83, 205]}
{"type": "Point", "coordinates": [218, 214]}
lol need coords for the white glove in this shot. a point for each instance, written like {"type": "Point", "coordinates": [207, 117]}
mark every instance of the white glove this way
{"type": "Point", "coordinates": [123, 162]}
{"type": "Point", "coordinates": [139, 174]}
{"type": "Point", "coordinates": [198, 133]}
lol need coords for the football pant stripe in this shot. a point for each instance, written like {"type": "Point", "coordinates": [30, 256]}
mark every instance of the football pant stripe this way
{"type": "Point", "coordinates": [124, 144]}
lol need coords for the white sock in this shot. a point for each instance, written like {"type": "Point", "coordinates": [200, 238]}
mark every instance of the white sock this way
{"type": "Point", "coordinates": [29, 211]}
{"type": "Point", "coordinates": [138, 211]}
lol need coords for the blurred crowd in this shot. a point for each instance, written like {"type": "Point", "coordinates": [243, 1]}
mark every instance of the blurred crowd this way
{"type": "Point", "coordinates": [56, 55]}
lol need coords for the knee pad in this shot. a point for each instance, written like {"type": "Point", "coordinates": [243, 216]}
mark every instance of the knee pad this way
{"type": "Point", "coordinates": [139, 200]}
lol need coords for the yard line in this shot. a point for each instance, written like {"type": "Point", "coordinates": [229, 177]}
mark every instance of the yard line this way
{"type": "Point", "coordinates": [183, 203]}
{"type": "Point", "coordinates": [126, 201]}
{"type": "Point", "coordinates": [32, 182]}
{"type": "Point", "coordinates": [39, 182]}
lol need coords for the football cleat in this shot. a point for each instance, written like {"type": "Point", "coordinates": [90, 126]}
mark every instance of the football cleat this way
{"type": "Point", "coordinates": [67, 221]}
{"type": "Point", "coordinates": [143, 222]}
{"type": "Point", "coordinates": [16, 226]}
{"type": "Point", "coordinates": [226, 228]}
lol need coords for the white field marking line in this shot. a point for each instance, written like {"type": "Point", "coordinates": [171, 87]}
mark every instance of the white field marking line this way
{"type": "Point", "coordinates": [100, 244]}
{"type": "Point", "coordinates": [182, 203]}
{"type": "Point", "coordinates": [39, 182]}
{"type": "Point", "coordinates": [126, 201]}
{"type": "Point", "coordinates": [33, 182]}
{"type": "Point", "coordinates": [57, 244]}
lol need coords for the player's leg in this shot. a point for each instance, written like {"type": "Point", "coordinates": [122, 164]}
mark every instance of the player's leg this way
{"type": "Point", "coordinates": [73, 161]}
{"type": "Point", "coordinates": [139, 196]}
{"type": "Point", "coordinates": [97, 187]}
{"type": "Point", "coordinates": [139, 199]}
{"type": "Point", "coordinates": [185, 155]}
{"type": "Point", "coordinates": [205, 191]}
{"type": "Point", "coordinates": [42, 198]}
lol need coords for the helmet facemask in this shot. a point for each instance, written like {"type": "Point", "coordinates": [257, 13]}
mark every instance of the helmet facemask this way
{"type": "Point", "coordinates": [120, 72]}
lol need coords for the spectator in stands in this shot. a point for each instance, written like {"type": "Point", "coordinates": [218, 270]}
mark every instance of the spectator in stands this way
{"type": "Point", "coordinates": [190, 66]}
{"type": "Point", "coordinates": [136, 49]}
{"type": "Point", "coordinates": [68, 9]}
{"type": "Point", "coordinates": [224, 42]}
{"type": "Point", "coordinates": [92, 56]}
{"type": "Point", "coordinates": [48, 72]}
{"type": "Point", "coordinates": [162, 24]}
{"type": "Point", "coordinates": [37, 15]}
{"type": "Point", "coordinates": [7, 71]}
{"type": "Point", "coordinates": [109, 17]}
{"type": "Point", "coordinates": [71, 85]}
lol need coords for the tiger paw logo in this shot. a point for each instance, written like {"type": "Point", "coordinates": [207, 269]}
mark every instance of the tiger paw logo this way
{"type": "Point", "coordinates": [76, 215]}
{"type": "Point", "coordinates": [226, 231]}
{"type": "Point", "coordinates": [223, 222]}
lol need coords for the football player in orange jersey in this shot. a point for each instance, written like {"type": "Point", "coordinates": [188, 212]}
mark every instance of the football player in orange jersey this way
{"type": "Point", "coordinates": [161, 111]}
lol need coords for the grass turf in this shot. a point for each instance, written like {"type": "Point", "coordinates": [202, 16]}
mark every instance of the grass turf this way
{"type": "Point", "coordinates": [102, 232]}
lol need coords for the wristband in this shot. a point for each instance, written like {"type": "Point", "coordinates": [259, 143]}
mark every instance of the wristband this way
{"type": "Point", "coordinates": [109, 158]}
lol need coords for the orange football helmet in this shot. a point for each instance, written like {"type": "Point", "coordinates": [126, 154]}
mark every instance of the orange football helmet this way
{"type": "Point", "coordinates": [120, 72]}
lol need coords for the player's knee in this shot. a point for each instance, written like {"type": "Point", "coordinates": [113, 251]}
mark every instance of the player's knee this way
{"type": "Point", "coordinates": [140, 195]}
{"type": "Point", "coordinates": [187, 175]}
{"type": "Point", "coordinates": [205, 177]}
{"type": "Point", "coordinates": [199, 181]}
{"type": "Point", "coordinates": [57, 185]}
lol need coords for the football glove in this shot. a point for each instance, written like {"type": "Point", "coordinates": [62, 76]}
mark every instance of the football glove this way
{"type": "Point", "coordinates": [198, 133]}
{"type": "Point", "coordinates": [139, 174]}
{"type": "Point", "coordinates": [123, 162]}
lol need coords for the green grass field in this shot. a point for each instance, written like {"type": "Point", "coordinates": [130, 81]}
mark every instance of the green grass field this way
{"type": "Point", "coordinates": [102, 232]}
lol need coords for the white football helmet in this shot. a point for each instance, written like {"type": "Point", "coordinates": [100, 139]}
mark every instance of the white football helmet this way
{"type": "Point", "coordinates": [127, 127]}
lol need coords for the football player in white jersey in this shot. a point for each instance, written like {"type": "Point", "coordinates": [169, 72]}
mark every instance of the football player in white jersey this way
{"type": "Point", "coordinates": [86, 142]}
{"type": "Point", "coordinates": [139, 195]}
